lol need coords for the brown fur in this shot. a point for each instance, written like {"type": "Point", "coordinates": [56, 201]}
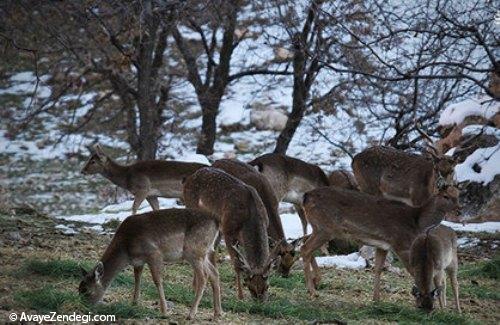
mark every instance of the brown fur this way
{"type": "Point", "coordinates": [252, 177]}
{"type": "Point", "coordinates": [398, 175]}
{"type": "Point", "coordinates": [431, 255]}
{"type": "Point", "coordinates": [344, 179]}
{"type": "Point", "coordinates": [290, 178]}
{"type": "Point", "coordinates": [243, 219]}
{"type": "Point", "coordinates": [339, 213]}
{"type": "Point", "coordinates": [154, 238]}
{"type": "Point", "coordinates": [146, 180]}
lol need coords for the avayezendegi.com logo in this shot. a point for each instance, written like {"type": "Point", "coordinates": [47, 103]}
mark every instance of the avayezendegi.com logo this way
{"type": "Point", "coordinates": [54, 317]}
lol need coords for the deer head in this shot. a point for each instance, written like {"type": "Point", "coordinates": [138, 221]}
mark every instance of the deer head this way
{"type": "Point", "coordinates": [97, 161]}
{"type": "Point", "coordinates": [91, 288]}
{"type": "Point", "coordinates": [256, 279]}
{"type": "Point", "coordinates": [425, 300]}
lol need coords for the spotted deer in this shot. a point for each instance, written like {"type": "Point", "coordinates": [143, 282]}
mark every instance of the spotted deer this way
{"type": "Point", "coordinates": [433, 255]}
{"type": "Point", "coordinates": [388, 225]}
{"type": "Point", "coordinates": [401, 176]}
{"type": "Point", "coordinates": [290, 178]}
{"type": "Point", "coordinates": [243, 221]}
{"type": "Point", "coordinates": [250, 176]}
{"type": "Point", "coordinates": [343, 178]}
{"type": "Point", "coordinates": [153, 238]}
{"type": "Point", "coordinates": [146, 180]}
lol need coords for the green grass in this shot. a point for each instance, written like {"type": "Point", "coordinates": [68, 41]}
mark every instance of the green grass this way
{"type": "Point", "coordinates": [292, 303]}
{"type": "Point", "coordinates": [487, 269]}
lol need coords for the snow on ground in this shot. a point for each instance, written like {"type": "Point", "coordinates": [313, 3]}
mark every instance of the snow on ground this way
{"type": "Point", "coordinates": [488, 159]}
{"type": "Point", "coordinates": [483, 106]}
{"type": "Point", "coordinates": [292, 226]}
{"type": "Point", "coordinates": [466, 242]}
{"type": "Point", "coordinates": [490, 226]}
{"type": "Point", "coordinates": [351, 261]}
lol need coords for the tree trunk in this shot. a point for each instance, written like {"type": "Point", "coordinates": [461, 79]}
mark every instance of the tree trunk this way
{"type": "Point", "coordinates": [299, 95]}
{"type": "Point", "coordinates": [208, 127]}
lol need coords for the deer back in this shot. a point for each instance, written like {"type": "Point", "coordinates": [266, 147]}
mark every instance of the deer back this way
{"type": "Point", "coordinates": [344, 179]}
{"type": "Point", "coordinates": [290, 177]}
{"type": "Point", "coordinates": [395, 174]}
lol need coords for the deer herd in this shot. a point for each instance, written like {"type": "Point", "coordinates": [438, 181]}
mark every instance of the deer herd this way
{"type": "Point", "coordinates": [393, 200]}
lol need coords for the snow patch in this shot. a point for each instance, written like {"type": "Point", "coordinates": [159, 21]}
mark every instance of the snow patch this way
{"type": "Point", "coordinates": [467, 242]}
{"type": "Point", "coordinates": [351, 261]}
{"type": "Point", "coordinates": [488, 159]}
{"type": "Point", "coordinates": [456, 113]}
{"type": "Point", "coordinates": [292, 226]}
{"type": "Point", "coordinates": [489, 227]}
{"type": "Point", "coordinates": [66, 230]}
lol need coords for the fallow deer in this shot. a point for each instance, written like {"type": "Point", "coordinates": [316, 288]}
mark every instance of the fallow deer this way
{"type": "Point", "coordinates": [433, 254]}
{"type": "Point", "coordinates": [250, 176]}
{"type": "Point", "coordinates": [146, 180]}
{"type": "Point", "coordinates": [290, 178]}
{"type": "Point", "coordinates": [154, 238]}
{"type": "Point", "coordinates": [243, 220]}
{"type": "Point", "coordinates": [400, 176]}
{"type": "Point", "coordinates": [373, 220]}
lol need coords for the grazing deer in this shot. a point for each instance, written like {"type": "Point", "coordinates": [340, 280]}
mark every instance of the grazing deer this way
{"type": "Point", "coordinates": [401, 176]}
{"type": "Point", "coordinates": [250, 176]}
{"type": "Point", "coordinates": [433, 254]}
{"type": "Point", "coordinates": [146, 180]}
{"type": "Point", "coordinates": [385, 224]}
{"type": "Point", "coordinates": [290, 178]}
{"type": "Point", "coordinates": [243, 220]}
{"type": "Point", "coordinates": [154, 238]}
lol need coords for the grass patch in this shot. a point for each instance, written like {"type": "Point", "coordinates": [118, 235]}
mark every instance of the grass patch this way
{"type": "Point", "coordinates": [487, 269]}
{"type": "Point", "coordinates": [47, 299]}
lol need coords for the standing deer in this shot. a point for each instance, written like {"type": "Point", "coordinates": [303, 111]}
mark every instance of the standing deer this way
{"type": "Point", "coordinates": [154, 238]}
{"type": "Point", "coordinates": [251, 177]}
{"type": "Point", "coordinates": [385, 224]}
{"type": "Point", "coordinates": [432, 255]}
{"type": "Point", "coordinates": [290, 178]}
{"type": "Point", "coordinates": [400, 176]}
{"type": "Point", "coordinates": [146, 180]}
{"type": "Point", "coordinates": [243, 220]}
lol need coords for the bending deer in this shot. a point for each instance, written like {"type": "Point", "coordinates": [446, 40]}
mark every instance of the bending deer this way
{"type": "Point", "coordinates": [154, 238]}
{"type": "Point", "coordinates": [385, 224]}
{"type": "Point", "coordinates": [243, 220]}
{"type": "Point", "coordinates": [146, 180]}
{"type": "Point", "coordinates": [290, 178]}
{"type": "Point", "coordinates": [251, 177]}
{"type": "Point", "coordinates": [400, 176]}
{"type": "Point", "coordinates": [432, 255]}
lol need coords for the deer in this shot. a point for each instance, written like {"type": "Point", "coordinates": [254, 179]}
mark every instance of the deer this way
{"type": "Point", "coordinates": [401, 176]}
{"type": "Point", "coordinates": [250, 176]}
{"type": "Point", "coordinates": [371, 219]}
{"type": "Point", "coordinates": [146, 180]}
{"type": "Point", "coordinates": [433, 255]}
{"type": "Point", "coordinates": [152, 238]}
{"type": "Point", "coordinates": [290, 178]}
{"type": "Point", "coordinates": [243, 221]}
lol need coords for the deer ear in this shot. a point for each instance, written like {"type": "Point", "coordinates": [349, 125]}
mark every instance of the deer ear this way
{"type": "Point", "coordinates": [100, 153]}
{"type": "Point", "coordinates": [259, 167]}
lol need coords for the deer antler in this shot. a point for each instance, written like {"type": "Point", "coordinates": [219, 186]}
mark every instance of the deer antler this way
{"type": "Point", "coordinates": [430, 144]}
{"type": "Point", "coordinates": [241, 258]}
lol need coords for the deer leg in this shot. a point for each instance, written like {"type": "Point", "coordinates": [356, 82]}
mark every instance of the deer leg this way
{"type": "Point", "coordinates": [452, 274]}
{"type": "Point", "coordinates": [234, 258]}
{"type": "Point", "coordinates": [380, 255]}
{"type": "Point", "coordinates": [317, 274]}
{"type": "Point", "coordinates": [302, 216]}
{"type": "Point", "coordinates": [200, 286]}
{"type": "Point", "coordinates": [313, 243]}
{"type": "Point", "coordinates": [153, 202]}
{"type": "Point", "coordinates": [213, 276]}
{"type": "Point", "coordinates": [155, 267]}
{"type": "Point", "coordinates": [137, 283]}
{"type": "Point", "coordinates": [138, 198]}
{"type": "Point", "coordinates": [439, 281]}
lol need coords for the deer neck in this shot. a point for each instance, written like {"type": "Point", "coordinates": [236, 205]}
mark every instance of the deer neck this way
{"type": "Point", "coordinates": [255, 241]}
{"type": "Point", "coordinates": [114, 261]}
{"type": "Point", "coordinates": [116, 173]}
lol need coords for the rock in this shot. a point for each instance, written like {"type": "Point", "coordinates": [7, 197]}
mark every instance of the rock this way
{"type": "Point", "coordinates": [14, 236]}
{"type": "Point", "coordinates": [265, 118]}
